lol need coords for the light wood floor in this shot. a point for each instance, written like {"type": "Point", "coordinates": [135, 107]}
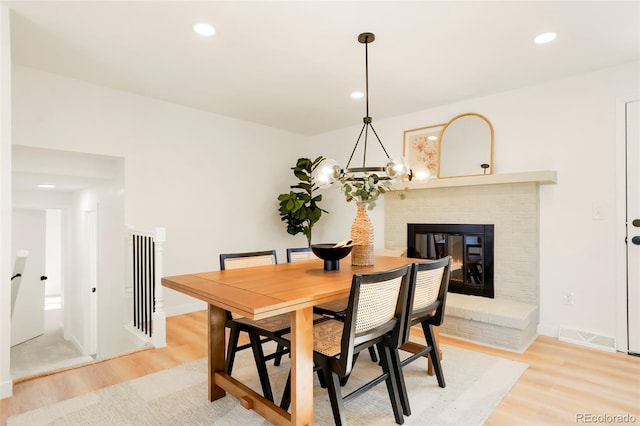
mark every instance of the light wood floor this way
{"type": "Point", "coordinates": [562, 382]}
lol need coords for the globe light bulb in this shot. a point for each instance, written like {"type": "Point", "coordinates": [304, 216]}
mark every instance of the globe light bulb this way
{"type": "Point", "coordinates": [326, 173]}
{"type": "Point", "coordinates": [402, 168]}
{"type": "Point", "coordinates": [391, 168]}
{"type": "Point", "coordinates": [396, 169]}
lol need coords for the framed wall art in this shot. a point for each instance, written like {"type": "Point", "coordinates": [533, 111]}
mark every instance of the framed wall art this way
{"type": "Point", "coordinates": [421, 150]}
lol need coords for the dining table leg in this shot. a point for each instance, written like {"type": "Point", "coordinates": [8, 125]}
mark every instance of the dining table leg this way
{"type": "Point", "coordinates": [302, 366]}
{"type": "Point", "coordinates": [216, 319]}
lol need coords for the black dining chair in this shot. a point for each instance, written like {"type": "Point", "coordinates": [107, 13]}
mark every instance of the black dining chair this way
{"type": "Point", "coordinates": [298, 254]}
{"type": "Point", "coordinates": [375, 313]}
{"type": "Point", "coordinates": [259, 331]}
{"type": "Point", "coordinates": [336, 309]}
{"type": "Point", "coordinates": [427, 299]}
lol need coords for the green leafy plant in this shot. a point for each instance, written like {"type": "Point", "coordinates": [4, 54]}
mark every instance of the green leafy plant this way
{"type": "Point", "coordinates": [299, 209]}
{"type": "Point", "coordinates": [366, 190]}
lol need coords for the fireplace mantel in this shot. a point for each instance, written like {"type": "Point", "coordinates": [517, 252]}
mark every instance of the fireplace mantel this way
{"type": "Point", "coordinates": [541, 177]}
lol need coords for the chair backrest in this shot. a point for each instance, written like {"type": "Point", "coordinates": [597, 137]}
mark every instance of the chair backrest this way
{"type": "Point", "coordinates": [428, 295]}
{"type": "Point", "coordinates": [248, 259]}
{"type": "Point", "coordinates": [300, 254]}
{"type": "Point", "coordinates": [377, 304]}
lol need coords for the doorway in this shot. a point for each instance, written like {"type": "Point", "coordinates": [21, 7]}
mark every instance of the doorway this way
{"type": "Point", "coordinates": [41, 346]}
{"type": "Point", "coordinates": [88, 245]}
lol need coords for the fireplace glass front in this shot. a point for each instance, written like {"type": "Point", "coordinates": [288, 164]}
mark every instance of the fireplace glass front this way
{"type": "Point", "coordinates": [471, 250]}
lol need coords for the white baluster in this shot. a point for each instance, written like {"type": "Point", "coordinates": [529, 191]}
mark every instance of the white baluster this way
{"type": "Point", "coordinates": [159, 338]}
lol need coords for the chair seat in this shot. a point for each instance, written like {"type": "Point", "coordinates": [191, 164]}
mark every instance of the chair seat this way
{"type": "Point", "coordinates": [415, 319]}
{"type": "Point", "coordinates": [336, 308]}
{"type": "Point", "coordinates": [327, 336]}
{"type": "Point", "coordinates": [274, 325]}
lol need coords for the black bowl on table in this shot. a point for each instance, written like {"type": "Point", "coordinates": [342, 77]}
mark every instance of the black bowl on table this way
{"type": "Point", "coordinates": [331, 254]}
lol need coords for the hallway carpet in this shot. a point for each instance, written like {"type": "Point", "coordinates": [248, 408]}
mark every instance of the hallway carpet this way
{"type": "Point", "coordinates": [47, 352]}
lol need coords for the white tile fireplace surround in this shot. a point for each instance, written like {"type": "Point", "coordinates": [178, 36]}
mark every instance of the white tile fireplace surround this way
{"type": "Point", "coordinates": [510, 203]}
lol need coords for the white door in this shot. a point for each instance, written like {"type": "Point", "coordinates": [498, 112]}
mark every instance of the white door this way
{"type": "Point", "coordinates": [28, 233]}
{"type": "Point", "coordinates": [633, 224]}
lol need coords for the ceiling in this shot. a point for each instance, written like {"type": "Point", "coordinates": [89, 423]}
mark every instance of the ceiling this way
{"type": "Point", "coordinates": [292, 65]}
{"type": "Point", "coordinates": [67, 171]}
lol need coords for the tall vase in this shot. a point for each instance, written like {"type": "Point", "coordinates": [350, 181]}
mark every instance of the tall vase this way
{"type": "Point", "coordinates": [362, 236]}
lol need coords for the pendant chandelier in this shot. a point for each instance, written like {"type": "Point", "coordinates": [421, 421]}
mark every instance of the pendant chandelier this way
{"type": "Point", "coordinates": [329, 171]}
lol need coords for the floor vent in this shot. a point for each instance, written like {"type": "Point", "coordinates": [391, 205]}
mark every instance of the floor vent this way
{"type": "Point", "coordinates": [585, 338]}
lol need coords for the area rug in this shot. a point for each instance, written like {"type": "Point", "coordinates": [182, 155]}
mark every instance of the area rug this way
{"type": "Point", "coordinates": [476, 383]}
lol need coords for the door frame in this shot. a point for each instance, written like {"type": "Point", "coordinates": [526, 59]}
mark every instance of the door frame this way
{"type": "Point", "coordinates": [620, 230]}
{"type": "Point", "coordinates": [91, 314]}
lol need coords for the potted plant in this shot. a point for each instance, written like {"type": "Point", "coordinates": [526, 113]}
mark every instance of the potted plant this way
{"type": "Point", "coordinates": [366, 190]}
{"type": "Point", "coordinates": [299, 209]}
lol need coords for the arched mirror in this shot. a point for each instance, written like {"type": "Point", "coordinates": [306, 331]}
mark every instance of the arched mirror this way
{"type": "Point", "coordinates": [466, 146]}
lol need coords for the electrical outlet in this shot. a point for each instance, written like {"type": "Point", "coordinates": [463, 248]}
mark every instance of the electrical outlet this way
{"type": "Point", "coordinates": [596, 212]}
{"type": "Point", "coordinates": [567, 298]}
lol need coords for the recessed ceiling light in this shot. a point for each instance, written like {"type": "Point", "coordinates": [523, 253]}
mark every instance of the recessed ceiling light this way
{"type": "Point", "coordinates": [45, 185]}
{"type": "Point", "coordinates": [432, 138]}
{"type": "Point", "coordinates": [357, 95]}
{"type": "Point", "coordinates": [204, 29]}
{"type": "Point", "coordinates": [544, 38]}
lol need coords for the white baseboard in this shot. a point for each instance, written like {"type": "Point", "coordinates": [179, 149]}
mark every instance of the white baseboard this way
{"type": "Point", "coordinates": [185, 308]}
{"type": "Point", "coordinates": [548, 330]}
{"type": "Point", "coordinates": [136, 336]}
{"type": "Point", "coordinates": [6, 389]}
{"type": "Point", "coordinates": [77, 344]}
{"type": "Point", "coordinates": [489, 345]}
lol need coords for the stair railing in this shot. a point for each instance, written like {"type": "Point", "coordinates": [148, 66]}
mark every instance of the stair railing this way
{"type": "Point", "coordinates": [145, 248]}
{"type": "Point", "coordinates": [18, 269]}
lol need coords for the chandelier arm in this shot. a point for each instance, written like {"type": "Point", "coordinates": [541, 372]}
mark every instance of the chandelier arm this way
{"type": "Point", "coordinates": [379, 141]}
{"type": "Point", "coordinates": [364, 152]}
{"type": "Point", "coordinates": [356, 146]}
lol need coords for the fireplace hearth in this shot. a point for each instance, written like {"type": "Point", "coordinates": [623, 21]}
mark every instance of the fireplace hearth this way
{"type": "Point", "coordinates": [469, 245]}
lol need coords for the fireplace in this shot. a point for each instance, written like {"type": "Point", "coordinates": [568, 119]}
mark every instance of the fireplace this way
{"type": "Point", "coordinates": [510, 319]}
{"type": "Point", "coordinates": [470, 247]}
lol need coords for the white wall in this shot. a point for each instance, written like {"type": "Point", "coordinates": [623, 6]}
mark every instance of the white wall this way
{"type": "Point", "coordinates": [566, 125]}
{"type": "Point", "coordinates": [113, 303]}
{"type": "Point", "coordinates": [211, 181]}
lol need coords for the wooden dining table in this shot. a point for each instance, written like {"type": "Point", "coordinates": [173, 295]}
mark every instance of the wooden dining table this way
{"type": "Point", "coordinates": [261, 292]}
